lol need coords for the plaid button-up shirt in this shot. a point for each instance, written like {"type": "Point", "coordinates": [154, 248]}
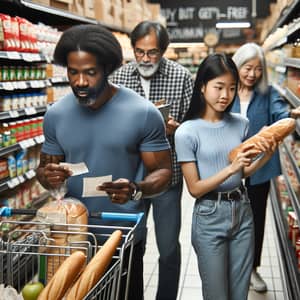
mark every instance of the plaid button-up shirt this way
{"type": "Point", "coordinates": [171, 82]}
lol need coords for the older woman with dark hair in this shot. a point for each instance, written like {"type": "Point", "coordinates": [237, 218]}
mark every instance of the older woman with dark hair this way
{"type": "Point", "coordinates": [262, 105]}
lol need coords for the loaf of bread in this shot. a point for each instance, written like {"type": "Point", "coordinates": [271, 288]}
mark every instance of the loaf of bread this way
{"type": "Point", "coordinates": [63, 277]}
{"type": "Point", "coordinates": [95, 268]}
{"type": "Point", "coordinates": [279, 130]}
{"type": "Point", "coordinates": [68, 211]}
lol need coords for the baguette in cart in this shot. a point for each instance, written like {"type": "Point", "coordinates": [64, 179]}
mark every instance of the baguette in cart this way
{"type": "Point", "coordinates": [97, 266]}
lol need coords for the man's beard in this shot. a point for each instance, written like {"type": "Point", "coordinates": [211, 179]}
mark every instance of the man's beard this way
{"type": "Point", "coordinates": [88, 96]}
{"type": "Point", "coordinates": [147, 70]}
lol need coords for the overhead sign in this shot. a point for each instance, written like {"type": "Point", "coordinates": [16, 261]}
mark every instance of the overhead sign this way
{"type": "Point", "coordinates": [190, 20]}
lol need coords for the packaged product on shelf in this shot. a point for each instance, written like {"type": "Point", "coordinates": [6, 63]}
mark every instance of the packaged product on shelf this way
{"type": "Point", "coordinates": [27, 197]}
{"type": "Point", "coordinates": [4, 172]}
{"type": "Point", "coordinates": [12, 73]}
{"type": "Point", "coordinates": [12, 166]}
{"type": "Point", "coordinates": [6, 138]}
{"type": "Point", "coordinates": [20, 130]}
{"type": "Point", "coordinates": [31, 157]}
{"type": "Point", "coordinates": [13, 132]}
{"type": "Point", "coordinates": [19, 73]}
{"type": "Point", "coordinates": [5, 73]}
{"type": "Point", "coordinates": [8, 43]}
{"type": "Point", "coordinates": [21, 162]}
{"type": "Point", "coordinates": [293, 232]}
{"type": "Point", "coordinates": [5, 103]}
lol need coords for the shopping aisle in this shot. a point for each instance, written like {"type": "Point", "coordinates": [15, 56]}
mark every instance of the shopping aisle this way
{"type": "Point", "coordinates": [190, 283]}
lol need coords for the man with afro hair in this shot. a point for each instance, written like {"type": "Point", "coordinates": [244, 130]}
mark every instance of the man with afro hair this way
{"type": "Point", "coordinates": [109, 128]}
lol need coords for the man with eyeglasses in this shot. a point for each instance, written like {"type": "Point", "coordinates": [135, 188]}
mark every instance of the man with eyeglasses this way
{"type": "Point", "coordinates": [155, 78]}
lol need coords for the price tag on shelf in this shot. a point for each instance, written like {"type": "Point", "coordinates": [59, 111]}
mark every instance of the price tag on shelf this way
{"type": "Point", "coordinates": [35, 57]}
{"type": "Point", "coordinates": [30, 111]}
{"type": "Point", "coordinates": [13, 55]}
{"type": "Point", "coordinates": [13, 182]}
{"type": "Point", "coordinates": [34, 84]}
{"type": "Point", "coordinates": [31, 142]}
{"type": "Point", "coordinates": [13, 113]}
{"type": "Point", "coordinates": [24, 144]}
{"type": "Point", "coordinates": [21, 85]}
{"type": "Point", "coordinates": [27, 56]}
{"type": "Point", "coordinates": [40, 139]}
{"type": "Point", "coordinates": [48, 59]}
{"type": "Point", "coordinates": [8, 86]}
{"type": "Point", "coordinates": [21, 178]}
{"type": "Point", "coordinates": [30, 174]}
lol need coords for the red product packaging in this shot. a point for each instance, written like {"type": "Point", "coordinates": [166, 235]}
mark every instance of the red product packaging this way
{"type": "Point", "coordinates": [24, 35]}
{"type": "Point", "coordinates": [15, 33]}
{"type": "Point", "coordinates": [8, 44]}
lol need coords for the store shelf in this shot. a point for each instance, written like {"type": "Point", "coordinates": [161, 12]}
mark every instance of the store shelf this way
{"type": "Point", "coordinates": [279, 89]}
{"type": "Point", "coordinates": [23, 85]}
{"type": "Point", "coordinates": [287, 257]}
{"type": "Point", "coordinates": [287, 16]}
{"type": "Point", "coordinates": [28, 111]}
{"type": "Point", "coordinates": [52, 16]}
{"type": "Point", "coordinates": [292, 195]}
{"type": "Point", "coordinates": [16, 181]}
{"type": "Point", "coordinates": [292, 62]}
{"type": "Point", "coordinates": [22, 145]}
{"type": "Point", "coordinates": [60, 79]}
{"type": "Point", "coordinates": [30, 57]}
{"type": "Point", "coordinates": [56, 11]}
{"type": "Point", "coordinates": [292, 98]}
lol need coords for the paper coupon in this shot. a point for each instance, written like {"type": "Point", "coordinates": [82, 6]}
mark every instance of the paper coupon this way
{"type": "Point", "coordinates": [90, 184]}
{"type": "Point", "coordinates": [77, 169]}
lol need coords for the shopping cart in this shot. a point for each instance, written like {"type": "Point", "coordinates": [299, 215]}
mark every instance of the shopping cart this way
{"type": "Point", "coordinates": [26, 247]}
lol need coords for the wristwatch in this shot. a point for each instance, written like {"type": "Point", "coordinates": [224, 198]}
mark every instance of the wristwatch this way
{"type": "Point", "coordinates": [137, 192]}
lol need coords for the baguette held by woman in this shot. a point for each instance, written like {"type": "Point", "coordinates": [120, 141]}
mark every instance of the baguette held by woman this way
{"type": "Point", "coordinates": [279, 130]}
{"type": "Point", "coordinates": [95, 268]}
{"type": "Point", "coordinates": [63, 277]}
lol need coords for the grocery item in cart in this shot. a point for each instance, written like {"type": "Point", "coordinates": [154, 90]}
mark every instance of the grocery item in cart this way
{"type": "Point", "coordinates": [9, 293]}
{"type": "Point", "coordinates": [64, 277]}
{"type": "Point", "coordinates": [95, 268]}
{"type": "Point", "coordinates": [69, 211]}
{"type": "Point", "coordinates": [279, 130]}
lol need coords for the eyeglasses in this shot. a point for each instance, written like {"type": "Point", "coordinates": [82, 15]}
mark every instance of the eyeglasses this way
{"type": "Point", "coordinates": [152, 53]}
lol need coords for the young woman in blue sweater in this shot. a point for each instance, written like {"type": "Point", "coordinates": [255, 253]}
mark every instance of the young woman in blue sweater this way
{"type": "Point", "coordinates": [222, 225]}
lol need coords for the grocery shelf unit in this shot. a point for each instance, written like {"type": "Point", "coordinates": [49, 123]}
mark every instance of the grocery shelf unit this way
{"type": "Point", "coordinates": [288, 260]}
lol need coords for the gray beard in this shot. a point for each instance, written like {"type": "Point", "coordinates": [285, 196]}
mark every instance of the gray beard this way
{"type": "Point", "coordinates": [147, 70]}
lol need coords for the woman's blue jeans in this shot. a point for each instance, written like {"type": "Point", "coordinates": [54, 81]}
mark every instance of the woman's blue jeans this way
{"type": "Point", "coordinates": [223, 239]}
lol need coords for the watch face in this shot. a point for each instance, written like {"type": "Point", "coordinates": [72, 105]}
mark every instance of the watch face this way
{"type": "Point", "coordinates": [138, 195]}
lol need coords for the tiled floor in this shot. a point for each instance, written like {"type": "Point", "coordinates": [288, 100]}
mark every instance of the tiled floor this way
{"type": "Point", "coordinates": [190, 283]}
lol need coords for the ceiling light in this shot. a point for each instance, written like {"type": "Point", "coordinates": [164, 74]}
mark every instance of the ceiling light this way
{"type": "Point", "coordinates": [186, 45]}
{"type": "Point", "coordinates": [222, 25]}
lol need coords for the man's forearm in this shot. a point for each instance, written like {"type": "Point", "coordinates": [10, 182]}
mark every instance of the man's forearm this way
{"type": "Point", "coordinates": [156, 182]}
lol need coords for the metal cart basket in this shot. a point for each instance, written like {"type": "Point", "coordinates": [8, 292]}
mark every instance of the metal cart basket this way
{"type": "Point", "coordinates": [28, 251]}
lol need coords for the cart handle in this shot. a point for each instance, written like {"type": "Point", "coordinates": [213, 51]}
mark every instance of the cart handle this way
{"type": "Point", "coordinates": [9, 211]}
{"type": "Point", "coordinates": [118, 216]}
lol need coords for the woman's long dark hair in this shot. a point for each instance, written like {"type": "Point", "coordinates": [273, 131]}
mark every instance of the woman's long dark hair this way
{"type": "Point", "coordinates": [214, 65]}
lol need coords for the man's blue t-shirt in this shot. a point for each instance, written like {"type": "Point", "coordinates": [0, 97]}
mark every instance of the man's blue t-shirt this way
{"type": "Point", "coordinates": [108, 140]}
